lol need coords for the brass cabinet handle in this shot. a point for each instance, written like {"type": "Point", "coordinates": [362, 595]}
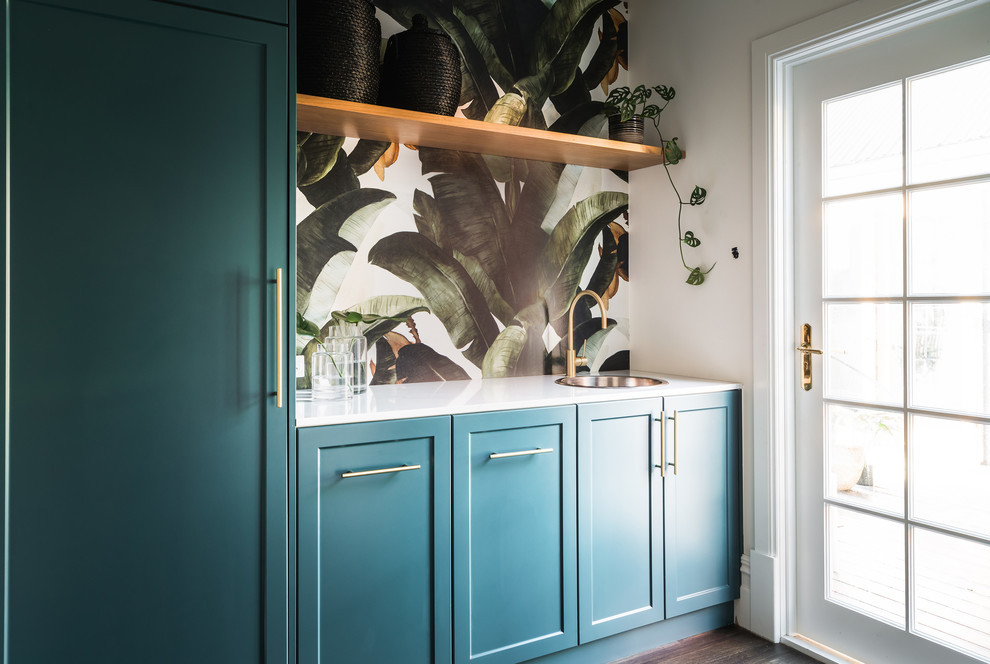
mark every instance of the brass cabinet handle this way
{"type": "Point", "coordinates": [506, 455]}
{"type": "Point", "coordinates": [380, 471]}
{"type": "Point", "coordinates": [279, 340]}
{"type": "Point", "coordinates": [675, 442]}
{"type": "Point", "coordinates": [663, 446]}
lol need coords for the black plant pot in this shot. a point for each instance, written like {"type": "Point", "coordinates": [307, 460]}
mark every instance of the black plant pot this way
{"type": "Point", "coordinates": [630, 131]}
{"type": "Point", "coordinates": [421, 71]}
{"type": "Point", "coordinates": [337, 49]}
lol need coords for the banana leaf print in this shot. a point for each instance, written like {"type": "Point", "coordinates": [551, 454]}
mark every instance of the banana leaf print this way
{"type": "Point", "coordinates": [445, 285]}
{"type": "Point", "coordinates": [501, 245]}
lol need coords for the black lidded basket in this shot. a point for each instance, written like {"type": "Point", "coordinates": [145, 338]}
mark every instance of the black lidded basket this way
{"type": "Point", "coordinates": [421, 71]}
{"type": "Point", "coordinates": [338, 45]}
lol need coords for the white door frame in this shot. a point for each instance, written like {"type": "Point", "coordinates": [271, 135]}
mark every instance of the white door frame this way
{"type": "Point", "coordinates": [771, 561]}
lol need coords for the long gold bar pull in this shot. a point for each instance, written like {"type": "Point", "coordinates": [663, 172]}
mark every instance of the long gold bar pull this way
{"type": "Point", "coordinates": [663, 446]}
{"type": "Point", "coordinates": [380, 471]}
{"type": "Point", "coordinates": [806, 352]}
{"type": "Point", "coordinates": [506, 455]}
{"type": "Point", "coordinates": [279, 341]}
{"type": "Point", "coordinates": [675, 442]}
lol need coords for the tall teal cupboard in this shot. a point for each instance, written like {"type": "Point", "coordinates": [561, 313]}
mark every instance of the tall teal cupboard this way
{"type": "Point", "coordinates": [148, 179]}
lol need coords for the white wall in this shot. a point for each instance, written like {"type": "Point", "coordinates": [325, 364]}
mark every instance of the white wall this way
{"type": "Point", "coordinates": [702, 49]}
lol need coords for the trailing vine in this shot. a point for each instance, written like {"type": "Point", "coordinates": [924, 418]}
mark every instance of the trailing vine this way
{"type": "Point", "coordinates": [625, 103]}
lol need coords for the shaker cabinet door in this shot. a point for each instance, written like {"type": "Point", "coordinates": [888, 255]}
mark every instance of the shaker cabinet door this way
{"type": "Point", "coordinates": [620, 517]}
{"type": "Point", "coordinates": [702, 501]}
{"type": "Point", "coordinates": [148, 212]}
{"type": "Point", "coordinates": [374, 543]}
{"type": "Point", "coordinates": [514, 535]}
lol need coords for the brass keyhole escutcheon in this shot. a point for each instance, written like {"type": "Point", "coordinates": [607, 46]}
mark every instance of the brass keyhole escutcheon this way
{"type": "Point", "coordinates": [806, 352]}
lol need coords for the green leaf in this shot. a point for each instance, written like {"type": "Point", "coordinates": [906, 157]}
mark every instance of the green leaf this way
{"type": "Point", "coordinates": [496, 303]}
{"type": "Point", "coordinates": [339, 180]}
{"type": "Point", "coordinates": [698, 195]}
{"type": "Point", "coordinates": [326, 241]}
{"type": "Point", "coordinates": [320, 153]}
{"type": "Point", "coordinates": [509, 110]}
{"type": "Point", "coordinates": [604, 57]}
{"type": "Point", "coordinates": [690, 240]}
{"type": "Point", "coordinates": [379, 315]}
{"type": "Point", "coordinates": [306, 327]}
{"type": "Point", "coordinates": [671, 152]}
{"type": "Point", "coordinates": [697, 277]}
{"type": "Point", "coordinates": [567, 252]}
{"type": "Point", "coordinates": [475, 221]}
{"type": "Point", "coordinates": [666, 93]}
{"type": "Point", "coordinates": [502, 357]}
{"type": "Point", "coordinates": [366, 154]}
{"type": "Point", "coordinates": [563, 37]}
{"type": "Point", "coordinates": [604, 273]}
{"type": "Point", "coordinates": [427, 218]}
{"type": "Point", "coordinates": [446, 286]}
{"type": "Point", "coordinates": [483, 22]}
{"type": "Point", "coordinates": [384, 364]}
{"type": "Point", "coordinates": [418, 363]}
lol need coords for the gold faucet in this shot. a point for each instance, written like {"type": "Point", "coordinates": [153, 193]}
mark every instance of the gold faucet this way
{"type": "Point", "coordinates": [573, 361]}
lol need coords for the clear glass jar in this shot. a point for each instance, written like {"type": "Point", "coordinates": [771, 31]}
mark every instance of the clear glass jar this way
{"type": "Point", "coordinates": [331, 373]}
{"type": "Point", "coordinates": [347, 338]}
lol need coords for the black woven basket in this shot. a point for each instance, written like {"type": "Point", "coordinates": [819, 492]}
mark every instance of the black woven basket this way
{"type": "Point", "coordinates": [421, 71]}
{"type": "Point", "coordinates": [337, 49]}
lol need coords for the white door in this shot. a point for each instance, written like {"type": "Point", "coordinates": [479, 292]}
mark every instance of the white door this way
{"type": "Point", "coordinates": [892, 272]}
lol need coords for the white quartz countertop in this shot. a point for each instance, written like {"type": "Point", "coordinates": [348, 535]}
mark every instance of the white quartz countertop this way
{"type": "Point", "coordinates": [392, 402]}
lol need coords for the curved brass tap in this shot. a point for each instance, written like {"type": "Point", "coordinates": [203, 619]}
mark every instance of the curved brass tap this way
{"type": "Point", "coordinates": [573, 361]}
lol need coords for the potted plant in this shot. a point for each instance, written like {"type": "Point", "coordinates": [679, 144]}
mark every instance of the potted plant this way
{"type": "Point", "coordinates": [627, 109]}
{"type": "Point", "coordinates": [628, 106]}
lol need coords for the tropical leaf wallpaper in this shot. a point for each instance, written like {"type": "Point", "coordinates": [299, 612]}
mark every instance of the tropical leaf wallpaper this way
{"type": "Point", "coordinates": [471, 261]}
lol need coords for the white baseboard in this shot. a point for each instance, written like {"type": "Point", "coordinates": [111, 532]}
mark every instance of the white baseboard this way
{"type": "Point", "coordinates": [743, 612]}
{"type": "Point", "coordinates": [764, 579]}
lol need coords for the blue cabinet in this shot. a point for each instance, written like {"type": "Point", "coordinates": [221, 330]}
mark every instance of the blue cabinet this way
{"type": "Point", "coordinates": [701, 501]}
{"type": "Point", "coordinates": [620, 517]}
{"type": "Point", "coordinates": [148, 156]}
{"type": "Point", "coordinates": [514, 535]}
{"type": "Point", "coordinates": [374, 543]}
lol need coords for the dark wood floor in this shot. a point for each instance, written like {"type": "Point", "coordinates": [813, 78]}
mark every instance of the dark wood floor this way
{"type": "Point", "coordinates": [729, 645]}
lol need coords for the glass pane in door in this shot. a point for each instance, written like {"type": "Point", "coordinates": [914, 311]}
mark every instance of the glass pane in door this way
{"type": "Point", "coordinates": [866, 564]}
{"type": "Point", "coordinates": [950, 472]}
{"type": "Point", "coordinates": [863, 239]}
{"type": "Point", "coordinates": [949, 236]}
{"type": "Point", "coordinates": [952, 591]}
{"type": "Point", "coordinates": [949, 126]}
{"type": "Point", "coordinates": [865, 457]}
{"type": "Point", "coordinates": [950, 344]}
{"type": "Point", "coordinates": [863, 352]}
{"type": "Point", "coordinates": [863, 135]}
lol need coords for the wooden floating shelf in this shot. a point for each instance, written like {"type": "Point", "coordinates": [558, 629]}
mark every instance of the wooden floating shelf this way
{"type": "Point", "coordinates": [344, 118]}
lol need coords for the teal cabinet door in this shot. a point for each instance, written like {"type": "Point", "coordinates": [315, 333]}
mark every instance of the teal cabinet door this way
{"type": "Point", "coordinates": [701, 501]}
{"type": "Point", "coordinates": [276, 11]}
{"type": "Point", "coordinates": [148, 210]}
{"type": "Point", "coordinates": [374, 543]}
{"type": "Point", "coordinates": [514, 538]}
{"type": "Point", "coordinates": [620, 517]}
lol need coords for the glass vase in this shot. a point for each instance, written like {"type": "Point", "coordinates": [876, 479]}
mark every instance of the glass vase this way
{"type": "Point", "coordinates": [347, 338]}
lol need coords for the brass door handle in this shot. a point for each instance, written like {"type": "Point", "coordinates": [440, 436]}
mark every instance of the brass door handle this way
{"type": "Point", "coordinates": [506, 455]}
{"type": "Point", "coordinates": [380, 471]}
{"type": "Point", "coordinates": [675, 442]}
{"type": "Point", "coordinates": [279, 341]}
{"type": "Point", "coordinates": [806, 352]}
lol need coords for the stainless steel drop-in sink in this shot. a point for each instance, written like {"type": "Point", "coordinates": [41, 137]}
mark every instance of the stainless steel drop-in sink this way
{"type": "Point", "coordinates": [587, 380]}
